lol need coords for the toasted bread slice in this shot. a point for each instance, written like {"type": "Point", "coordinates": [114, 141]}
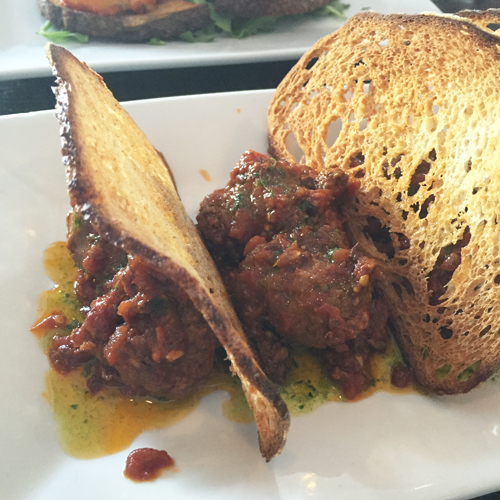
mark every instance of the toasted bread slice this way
{"type": "Point", "coordinates": [165, 20]}
{"type": "Point", "coordinates": [257, 8]}
{"type": "Point", "coordinates": [486, 19]}
{"type": "Point", "coordinates": [119, 182]}
{"type": "Point", "coordinates": [416, 98]}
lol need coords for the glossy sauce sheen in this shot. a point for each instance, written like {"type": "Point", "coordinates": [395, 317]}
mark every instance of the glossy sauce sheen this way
{"type": "Point", "coordinates": [93, 426]}
{"type": "Point", "coordinates": [146, 464]}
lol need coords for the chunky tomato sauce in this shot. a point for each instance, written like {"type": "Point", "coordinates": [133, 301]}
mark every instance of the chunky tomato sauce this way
{"type": "Point", "coordinates": [146, 464]}
{"type": "Point", "coordinates": [276, 233]}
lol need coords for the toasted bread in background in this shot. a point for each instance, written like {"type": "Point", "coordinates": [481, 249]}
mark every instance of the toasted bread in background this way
{"type": "Point", "coordinates": [415, 100]}
{"type": "Point", "coordinates": [487, 19]}
{"type": "Point", "coordinates": [164, 20]}
{"type": "Point", "coordinates": [257, 8]}
{"type": "Point", "coordinates": [119, 182]}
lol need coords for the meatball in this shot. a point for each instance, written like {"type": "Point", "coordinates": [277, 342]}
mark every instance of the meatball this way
{"type": "Point", "coordinates": [276, 233]}
{"type": "Point", "coordinates": [141, 333]}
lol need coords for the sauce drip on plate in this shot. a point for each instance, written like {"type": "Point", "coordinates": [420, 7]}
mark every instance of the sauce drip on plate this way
{"type": "Point", "coordinates": [146, 464]}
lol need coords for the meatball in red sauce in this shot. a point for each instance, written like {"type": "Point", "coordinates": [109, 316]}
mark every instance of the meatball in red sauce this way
{"type": "Point", "coordinates": [276, 234]}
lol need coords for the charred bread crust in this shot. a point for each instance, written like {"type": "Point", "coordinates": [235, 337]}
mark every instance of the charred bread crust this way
{"type": "Point", "coordinates": [107, 187]}
{"type": "Point", "coordinates": [481, 17]}
{"type": "Point", "coordinates": [165, 21]}
{"type": "Point", "coordinates": [415, 95]}
{"type": "Point", "coordinates": [257, 8]}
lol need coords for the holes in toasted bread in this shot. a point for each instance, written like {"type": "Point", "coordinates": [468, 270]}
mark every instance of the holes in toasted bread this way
{"type": "Point", "coordinates": [493, 27]}
{"type": "Point", "coordinates": [383, 43]}
{"type": "Point", "coordinates": [333, 131]}
{"type": "Point", "coordinates": [292, 145]}
{"type": "Point", "coordinates": [476, 190]}
{"type": "Point", "coordinates": [427, 318]}
{"type": "Point", "coordinates": [311, 63]}
{"type": "Point", "coordinates": [404, 242]}
{"type": "Point", "coordinates": [397, 289]}
{"type": "Point", "coordinates": [446, 332]}
{"type": "Point", "coordinates": [466, 374]}
{"type": "Point", "coordinates": [380, 236]}
{"type": "Point", "coordinates": [497, 279]}
{"type": "Point", "coordinates": [484, 331]}
{"type": "Point", "coordinates": [357, 160]}
{"type": "Point", "coordinates": [424, 211]}
{"type": "Point", "coordinates": [449, 258]}
{"type": "Point", "coordinates": [418, 177]}
{"type": "Point", "coordinates": [403, 262]}
{"type": "Point", "coordinates": [468, 165]}
{"type": "Point", "coordinates": [404, 214]}
{"type": "Point", "coordinates": [407, 285]}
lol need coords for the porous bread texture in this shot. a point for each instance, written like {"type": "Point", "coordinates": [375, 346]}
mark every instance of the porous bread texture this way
{"type": "Point", "coordinates": [119, 182]}
{"type": "Point", "coordinates": [408, 91]}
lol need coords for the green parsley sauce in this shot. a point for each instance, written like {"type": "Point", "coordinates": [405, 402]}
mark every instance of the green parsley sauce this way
{"type": "Point", "coordinates": [93, 426]}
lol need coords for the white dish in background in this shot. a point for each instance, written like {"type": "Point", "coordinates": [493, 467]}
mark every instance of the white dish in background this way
{"type": "Point", "coordinates": [22, 55]}
{"type": "Point", "coordinates": [385, 447]}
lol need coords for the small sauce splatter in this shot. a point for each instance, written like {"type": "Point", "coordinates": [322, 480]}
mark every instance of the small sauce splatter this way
{"type": "Point", "coordinates": [238, 110]}
{"type": "Point", "coordinates": [205, 175]}
{"type": "Point", "coordinates": [146, 464]}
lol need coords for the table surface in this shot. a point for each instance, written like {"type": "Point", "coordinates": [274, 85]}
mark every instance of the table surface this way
{"type": "Point", "coordinates": [34, 94]}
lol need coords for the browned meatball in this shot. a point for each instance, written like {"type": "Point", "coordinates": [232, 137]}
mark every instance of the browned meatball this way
{"type": "Point", "coordinates": [276, 234]}
{"type": "Point", "coordinates": [141, 332]}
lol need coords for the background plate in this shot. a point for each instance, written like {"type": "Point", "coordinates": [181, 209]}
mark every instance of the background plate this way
{"type": "Point", "coordinates": [22, 56]}
{"type": "Point", "coordinates": [384, 447]}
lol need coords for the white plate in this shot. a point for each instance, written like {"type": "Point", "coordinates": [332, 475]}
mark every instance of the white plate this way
{"type": "Point", "coordinates": [385, 447]}
{"type": "Point", "coordinates": [22, 56]}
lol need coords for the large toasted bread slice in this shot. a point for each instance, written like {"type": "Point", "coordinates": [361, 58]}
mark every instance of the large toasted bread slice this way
{"type": "Point", "coordinates": [415, 98]}
{"type": "Point", "coordinates": [119, 182]}
{"type": "Point", "coordinates": [165, 20]}
{"type": "Point", "coordinates": [257, 8]}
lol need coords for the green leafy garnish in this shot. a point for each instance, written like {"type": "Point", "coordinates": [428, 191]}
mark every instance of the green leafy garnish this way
{"type": "Point", "coordinates": [157, 41]}
{"type": "Point", "coordinates": [443, 371]}
{"type": "Point", "coordinates": [202, 36]}
{"type": "Point", "coordinates": [242, 28]}
{"type": "Point", "coordinates": [47, 30]}
{"type": "Point", "coordinates": [335, 9]}
{"type": "Point", "coordinates": [249, 27]}
{"type": "Point", "coordinates": [465, 375]}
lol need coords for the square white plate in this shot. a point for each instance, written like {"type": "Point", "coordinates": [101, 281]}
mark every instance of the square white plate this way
{"type": "Point", "coordinates": [384, 447]}
{"type": "Point", "coordinates": [22, 56]}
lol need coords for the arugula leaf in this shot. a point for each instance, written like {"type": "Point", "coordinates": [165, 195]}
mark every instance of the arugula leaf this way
{"type": "Point", "coordinates": [157, 41]}
{"type": "Point", "coordinates": [249, 27]}
{"type": "Point", "coordinates": [203, 36]}
{"type": "Point", "coordinates": [61, 36]}
{"type": "Point", "coordinates": [335, 9]}
{"type": "Point", "coordinates": [222, 22]}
